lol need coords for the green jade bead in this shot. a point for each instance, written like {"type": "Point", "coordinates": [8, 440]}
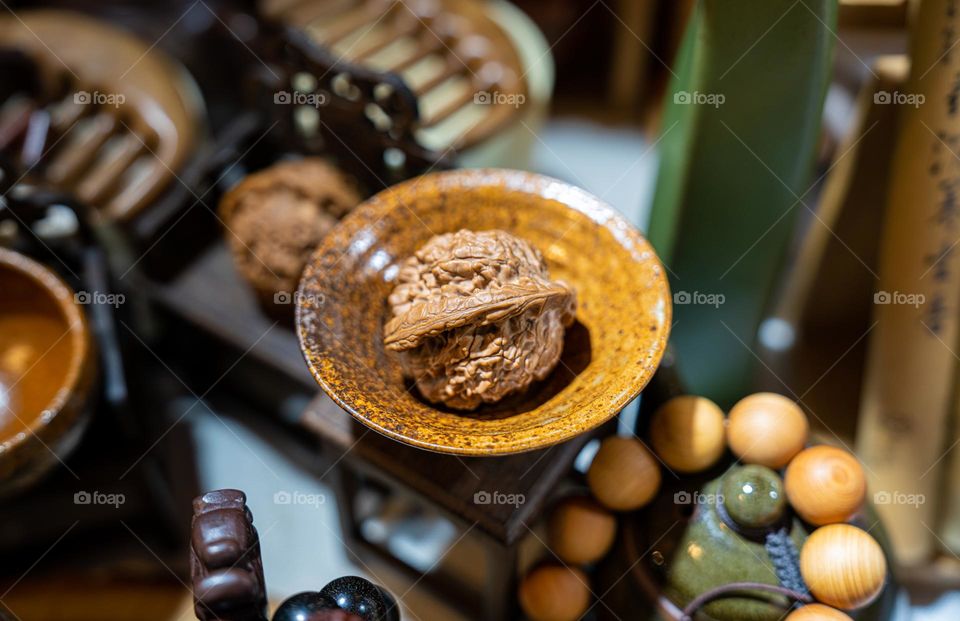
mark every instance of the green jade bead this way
{"type": "Point", "coordinates": [753, 496]}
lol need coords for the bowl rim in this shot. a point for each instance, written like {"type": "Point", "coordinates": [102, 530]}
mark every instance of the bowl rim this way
{"type": "Point", "coordinates": [545, 187]}
{"type": "Point", "coordinates": [77, 327]}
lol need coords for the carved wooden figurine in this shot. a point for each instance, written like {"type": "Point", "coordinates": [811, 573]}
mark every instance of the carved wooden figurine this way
{"type": "Point", "coordinates": [225, 561]}
{"type": "Point", "coordinates": [227, 573]}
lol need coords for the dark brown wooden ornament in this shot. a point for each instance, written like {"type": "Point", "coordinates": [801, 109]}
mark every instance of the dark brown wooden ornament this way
{"type": "Point", "coordinates": [225, 563]}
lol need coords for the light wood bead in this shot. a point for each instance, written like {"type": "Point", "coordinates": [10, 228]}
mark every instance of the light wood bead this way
{"type": "Point", "coordinates": [580, 531]}
{"type": "Point", "coordinates": [843, 566]}
{"type": "Point", "coordinates": [825, 485]}
{"type": "Point", "coordinates": [767, 429]}
{"type": "Point", "coordinates": [817, 612]}
{"type": "Point", "coordinates": [554, 593]}
{"type": "Point", "coordinates": [687, 433]}
{"type": "Point", "coordinates": [624, 474]}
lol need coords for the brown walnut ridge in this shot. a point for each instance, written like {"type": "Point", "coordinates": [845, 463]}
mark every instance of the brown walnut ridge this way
{"type": "Point", "coordinates": [476, 317]}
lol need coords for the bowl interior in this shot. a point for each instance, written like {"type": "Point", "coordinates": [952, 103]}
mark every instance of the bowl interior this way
{"type": "Point", "coordinates": [623, 309]}
{"type": "Point", "coordinates": [38, 347]}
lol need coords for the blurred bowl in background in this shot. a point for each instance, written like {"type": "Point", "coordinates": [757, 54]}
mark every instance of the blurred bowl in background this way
{"type": "Point", "coordinates": [47, 370]}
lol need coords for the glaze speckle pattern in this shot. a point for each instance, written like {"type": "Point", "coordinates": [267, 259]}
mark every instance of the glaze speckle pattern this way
{"type": "Point", "coordinates": [611, 352]}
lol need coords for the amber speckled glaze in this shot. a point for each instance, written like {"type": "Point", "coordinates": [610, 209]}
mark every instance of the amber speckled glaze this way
{"type": "Point", "coordinates": [47, 369]}
{"type": "Point", "coordinates": [623, 309]}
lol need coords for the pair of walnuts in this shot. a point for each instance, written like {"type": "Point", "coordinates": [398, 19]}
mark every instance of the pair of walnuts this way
{"type": "Point", "coordinates": [475, 317]}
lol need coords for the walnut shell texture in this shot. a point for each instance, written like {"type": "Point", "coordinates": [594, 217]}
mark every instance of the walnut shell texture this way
{"type": "Point", "coordinates": [276, 217]}
{"type": "Point", "coordinates": [475, 317]}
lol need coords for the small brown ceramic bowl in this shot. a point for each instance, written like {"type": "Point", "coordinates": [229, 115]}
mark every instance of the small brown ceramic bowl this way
{"type": "Point", "coordinates": [46, 370]}
{"type": "Point", "coordinates": [610, 353]}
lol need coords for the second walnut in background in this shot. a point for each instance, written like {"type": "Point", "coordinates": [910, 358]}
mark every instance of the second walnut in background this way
{"type": "Point", "coordinates": [276, 217]}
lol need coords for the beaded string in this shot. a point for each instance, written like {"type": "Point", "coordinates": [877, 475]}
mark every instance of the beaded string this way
{"type": "Point", "coordinates": [786, 560]}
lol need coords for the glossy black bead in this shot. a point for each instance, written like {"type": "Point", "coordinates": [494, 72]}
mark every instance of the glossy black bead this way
{"type": "Point", "coordinates": [361, 597]}
{"type": "Point", "coordinates": [393, 609]}
{"type": "Point", "coordinates": [305, 606]}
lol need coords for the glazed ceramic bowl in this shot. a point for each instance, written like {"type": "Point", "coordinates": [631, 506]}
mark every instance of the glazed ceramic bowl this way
{"type": "Point", "coordinates": [46, 370]}
{"type": "Point", "coordinates": [609, 355]}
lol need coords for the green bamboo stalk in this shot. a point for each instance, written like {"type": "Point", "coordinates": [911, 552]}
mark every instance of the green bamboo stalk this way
{"type": "Point", "coordinates": [737, 146]}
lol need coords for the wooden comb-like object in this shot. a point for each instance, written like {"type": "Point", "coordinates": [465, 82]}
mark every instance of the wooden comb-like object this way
{"type": "Point", "coordinates": [462, 69]}
{"type": "Point", "coordinates": [104, 116]}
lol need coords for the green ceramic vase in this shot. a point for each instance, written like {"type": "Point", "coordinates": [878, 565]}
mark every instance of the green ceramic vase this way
{"type": "Point", "coordinates": [737, 145]}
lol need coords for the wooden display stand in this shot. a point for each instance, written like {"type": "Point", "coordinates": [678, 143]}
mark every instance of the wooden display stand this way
{"type": "Point", "coordinates": [355, 457]}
